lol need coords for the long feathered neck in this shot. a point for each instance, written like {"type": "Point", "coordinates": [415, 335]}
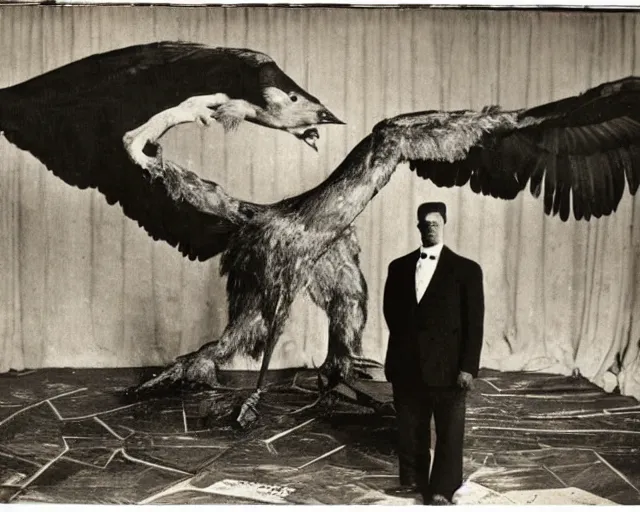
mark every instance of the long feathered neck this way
{"type": "Point", "coordinates": [335, 203]}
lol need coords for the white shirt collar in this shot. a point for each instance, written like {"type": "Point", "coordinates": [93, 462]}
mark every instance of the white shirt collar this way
{"type": "Point", "coordinates": [434, 250]}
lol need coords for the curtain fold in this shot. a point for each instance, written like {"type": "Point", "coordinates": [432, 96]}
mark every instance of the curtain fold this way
{"type": "Point", "coordinates": [82, 286]}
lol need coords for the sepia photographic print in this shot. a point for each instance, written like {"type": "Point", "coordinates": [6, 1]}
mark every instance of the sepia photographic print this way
{"type": "Point", "coordinates": [319, 255]}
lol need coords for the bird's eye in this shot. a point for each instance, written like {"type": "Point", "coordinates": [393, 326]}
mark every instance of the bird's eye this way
{"type": "Point", "coordinates": [293, 97]}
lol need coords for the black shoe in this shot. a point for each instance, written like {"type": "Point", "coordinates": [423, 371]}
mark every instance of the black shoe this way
{"type": "Point", "coordinates": [438, 499]}
{"type": "Point", "coordinates": [403, 490]}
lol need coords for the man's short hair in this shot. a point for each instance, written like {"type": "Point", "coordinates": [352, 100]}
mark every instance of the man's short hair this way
{"type": "Point", "coordinates": [431, 207]}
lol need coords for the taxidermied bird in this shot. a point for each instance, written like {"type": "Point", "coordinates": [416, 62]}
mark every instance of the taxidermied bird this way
{"type": "Point", "coordinates": [581, 148]}
{"type": "Point", "coordinates": [113, 95]}
{"type": "Point", "coordinates": [578, 150]}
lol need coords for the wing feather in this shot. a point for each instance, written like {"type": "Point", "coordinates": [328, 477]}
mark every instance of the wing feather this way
{"type": "Point", "coordinates": [624, 161]}
{"type": "Point", "coordinates": [561, 197]}
{"type": "Point", "coordinates": [474, 182]}
{"type": "Point", "coordinates": [550, 184]}
{"type": "Point", "coordinates": [587, 188]}
{"type": "Point", "coordinates": [633, 171]}
{"type": "Point", "coordinates": [73, 119]}
{"type": "Point", "coordinates": [577, 152]}
{"type": "Point", "coordinates": [578, 170]}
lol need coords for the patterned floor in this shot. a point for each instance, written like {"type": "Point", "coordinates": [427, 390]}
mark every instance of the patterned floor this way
{"type": "Point", "coordinates": [67, 436]}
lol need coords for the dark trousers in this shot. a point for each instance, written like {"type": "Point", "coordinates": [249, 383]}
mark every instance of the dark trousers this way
{"type": "Point", "coordinates": [415, 405]}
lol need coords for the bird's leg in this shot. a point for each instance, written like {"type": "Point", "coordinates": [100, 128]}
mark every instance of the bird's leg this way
{"type": "Point", "coordinates": [246, 327]}
{"type": "Point", "coordinates": [248, 412]}
{"type": "Point", "coordinates": [197, 109]}
{"type": "Point", "coordinates": [196, 368]}
{"type": "Point", "coordinates": [341, 290]}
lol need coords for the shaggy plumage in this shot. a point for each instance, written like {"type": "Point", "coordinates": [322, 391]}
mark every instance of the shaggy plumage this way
{"type": "Point", "coordinates": [581, 147]}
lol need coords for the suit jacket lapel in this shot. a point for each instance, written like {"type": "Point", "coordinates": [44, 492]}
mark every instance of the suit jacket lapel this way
{"type": "Point", "coordinates": [411, 273]}
{"type": "Point", "coordinates": [439, 273]}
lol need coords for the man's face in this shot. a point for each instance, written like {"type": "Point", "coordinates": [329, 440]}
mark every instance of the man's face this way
{"type": "Point", "coordinates": [431, 228]}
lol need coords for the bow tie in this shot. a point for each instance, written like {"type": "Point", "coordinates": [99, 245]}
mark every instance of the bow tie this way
{"type": "Point", "coordinates": [423, 255]}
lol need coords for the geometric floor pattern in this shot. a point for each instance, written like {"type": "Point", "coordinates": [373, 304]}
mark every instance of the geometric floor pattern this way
{"type": "Point", "coordinates": [68, 436]}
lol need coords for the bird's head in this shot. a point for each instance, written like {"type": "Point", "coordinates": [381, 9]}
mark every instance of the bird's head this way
{"type": "Point", "coordinates": [291, 108]}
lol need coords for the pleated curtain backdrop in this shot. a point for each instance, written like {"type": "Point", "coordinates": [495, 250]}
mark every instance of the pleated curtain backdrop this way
{"type": "Point", "coordinates": [82, 286]}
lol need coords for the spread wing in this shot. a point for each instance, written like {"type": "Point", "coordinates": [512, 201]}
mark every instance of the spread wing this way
{"type": "Point", "coordinates": [73, 119]}
{"type": "Point", "coordinates": [578, 152]}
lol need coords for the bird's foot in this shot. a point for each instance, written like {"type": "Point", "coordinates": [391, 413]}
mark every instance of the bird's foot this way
{"type": "Point", "coordinates": [232, 113]}
{"type": "Point", "coordinates": [191, 370]}
{"type": "Point", "coordinates": [348, 368]}
{"type": "Point", "coordinates": [202, 110]}
{"type": "Point", "coordinates": [200, 370]}
{"type": "Point", "coordinates": [362, 366]}
{"type": "Point", "coordinates": [248, 411]}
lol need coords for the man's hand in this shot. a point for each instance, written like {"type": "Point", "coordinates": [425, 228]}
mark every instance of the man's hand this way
{"type": "Point", "coordinates": [465, 380]}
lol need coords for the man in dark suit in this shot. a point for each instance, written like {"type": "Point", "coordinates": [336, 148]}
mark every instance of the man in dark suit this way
{"type": "Point", "coordinates": [434, 308]}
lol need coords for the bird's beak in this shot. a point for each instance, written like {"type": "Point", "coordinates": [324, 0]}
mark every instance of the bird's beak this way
{"type": "Point", "coordinates": [328, 118]}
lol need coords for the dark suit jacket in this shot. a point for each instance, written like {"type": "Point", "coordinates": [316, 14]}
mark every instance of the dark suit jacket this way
{"type": "Point", "coordinates": [431, 342]}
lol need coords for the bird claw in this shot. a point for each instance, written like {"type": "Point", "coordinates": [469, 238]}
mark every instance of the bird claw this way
{"type": "Point", "coordinates": [159, 385]}
{"type": "Point", "coordinates": [249, 412]}
{"type": "Point", "coordinates": [203, 110]}
{"type": "Point", "coordinates": [189, 370]}
{"type": "Point", "coordinates": [362, 366]}
{"type": "Point", "coordinates": [320, 383]}
{"type": "Point", "coordinates": [348, 368]}
{"type": "Point", "coordinates": [230, 114]}
{"type": "Point", "coordinates": [204, 121]}
{"type": "Point", "coordinates": [365, 362]}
